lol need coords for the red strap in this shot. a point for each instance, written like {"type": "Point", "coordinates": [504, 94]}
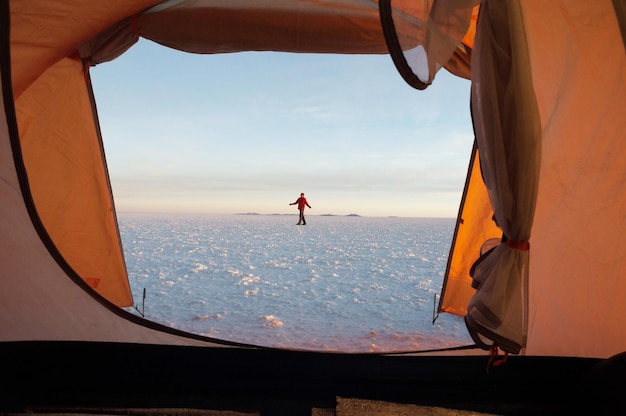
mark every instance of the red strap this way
{"type": "Point", "coordinates": [494, 357]}
{"type": "Point", "coordinates": [518, 245]}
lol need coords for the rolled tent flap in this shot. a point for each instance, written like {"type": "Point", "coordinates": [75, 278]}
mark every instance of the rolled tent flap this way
{"type": "Point", "coordinates": [426, 36]}
{"type": "Point", "coordinates": [508, 132]}
{"type": "Point", "coordinates": [210, 26]}
{"type": "Point", "coordinates": [110, 43]}
{"type": "Point", "coordinates": [215, 26]}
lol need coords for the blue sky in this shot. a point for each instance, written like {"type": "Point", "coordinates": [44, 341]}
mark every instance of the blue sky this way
{"type": "Point", "coordinates": [247, 132]}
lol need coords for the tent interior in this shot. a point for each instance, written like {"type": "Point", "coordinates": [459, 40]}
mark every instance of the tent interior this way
{"type": "Point", "coordinates": [545, 179]}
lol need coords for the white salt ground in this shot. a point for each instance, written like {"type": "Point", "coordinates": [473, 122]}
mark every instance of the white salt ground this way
{"type": "Point", "coordinates": [352, 284]}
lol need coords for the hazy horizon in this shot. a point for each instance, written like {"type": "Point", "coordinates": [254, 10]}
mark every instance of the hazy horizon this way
{"type": "Point", "coordinates": [242, 132]}
{"type": "Point", "coordinates": [294, 214]}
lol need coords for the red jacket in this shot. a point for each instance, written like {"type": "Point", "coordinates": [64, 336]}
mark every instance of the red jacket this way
{"type": "Point", "coordinates": [301, 203]}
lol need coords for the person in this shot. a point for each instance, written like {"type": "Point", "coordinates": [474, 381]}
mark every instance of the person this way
{"type": "Point", "coordinates": [302, 202]}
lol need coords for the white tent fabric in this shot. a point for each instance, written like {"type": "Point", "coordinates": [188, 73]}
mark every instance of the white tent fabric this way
{"type": "Point", "coordinates": [424, 37]}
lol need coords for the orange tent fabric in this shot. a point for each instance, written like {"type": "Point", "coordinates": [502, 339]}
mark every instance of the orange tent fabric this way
{"type": "Point", "coordinates": [63, 267]}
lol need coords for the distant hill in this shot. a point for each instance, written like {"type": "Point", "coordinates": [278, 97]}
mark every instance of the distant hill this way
{"type": "Point", "coordinates": [335, 215]}
{"type": "Point", "coordinates": [322, 215]}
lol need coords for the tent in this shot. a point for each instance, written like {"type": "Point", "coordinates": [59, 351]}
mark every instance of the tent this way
{"type": "Point", "coordinates": [536, 266]}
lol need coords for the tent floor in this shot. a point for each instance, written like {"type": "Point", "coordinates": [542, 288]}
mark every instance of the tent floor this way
{"type": "Point", "coordinates": [70, 377]}
{"type": "Point", "coordinates": [345, 407]}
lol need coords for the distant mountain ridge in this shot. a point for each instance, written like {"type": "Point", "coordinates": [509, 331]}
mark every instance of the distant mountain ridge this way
{"type": "Point", "coordinates": [321, 215]}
